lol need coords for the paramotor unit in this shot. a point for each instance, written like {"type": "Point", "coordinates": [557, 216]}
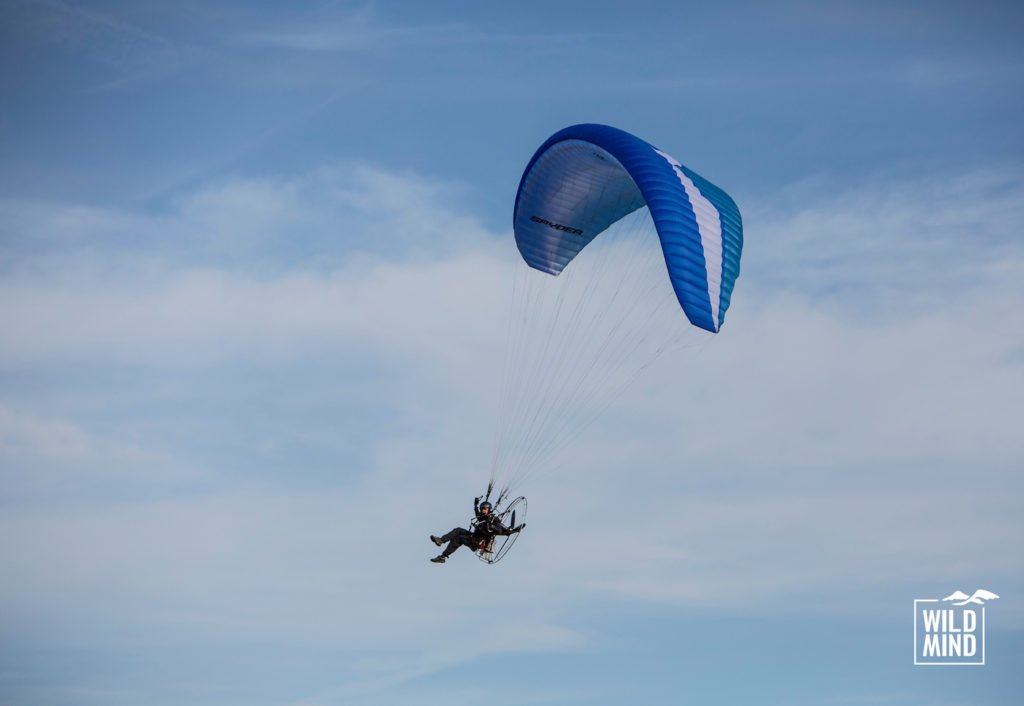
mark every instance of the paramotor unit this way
{"type": "Point", "coordinates": [510, 514]}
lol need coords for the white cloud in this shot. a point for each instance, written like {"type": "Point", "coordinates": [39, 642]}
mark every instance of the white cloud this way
{"type": "Point", "coordinates": [891, 245]}
{"type": "Point", "coordinates": [819, 452]}
{"type": "Point", "coordinates": [53, 438]}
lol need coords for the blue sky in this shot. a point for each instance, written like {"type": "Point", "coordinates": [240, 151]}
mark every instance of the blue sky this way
{"type": "Point", "coordinates": [254, 264]}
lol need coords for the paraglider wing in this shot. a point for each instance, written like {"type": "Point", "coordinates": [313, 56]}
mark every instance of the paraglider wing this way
{"type": "Point", "coordinates": [586, 177]}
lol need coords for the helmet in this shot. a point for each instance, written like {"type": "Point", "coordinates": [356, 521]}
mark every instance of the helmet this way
{"type": "Point", "coordinates": [487, 504]}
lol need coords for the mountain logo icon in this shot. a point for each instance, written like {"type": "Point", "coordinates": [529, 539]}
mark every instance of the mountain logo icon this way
{"type": "Point", "coordinates": [951, 631]}
{"type": "Point", "coordinates": [979, 597]}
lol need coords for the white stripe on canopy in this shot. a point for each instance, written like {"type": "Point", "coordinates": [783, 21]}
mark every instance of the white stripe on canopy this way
{"type": "Point", "coordinates": [709, 223]}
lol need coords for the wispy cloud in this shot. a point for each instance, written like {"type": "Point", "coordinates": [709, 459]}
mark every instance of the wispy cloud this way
{"type": "Point", "coordinates": [364, 30]}
{"type": "Point", "coordinates": [127, 52]}
{"type": "Point", "coordinates": [350, 36]}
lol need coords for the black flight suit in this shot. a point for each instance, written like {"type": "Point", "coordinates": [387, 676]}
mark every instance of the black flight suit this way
{"type": "Point", "coordinates": [485, 527]}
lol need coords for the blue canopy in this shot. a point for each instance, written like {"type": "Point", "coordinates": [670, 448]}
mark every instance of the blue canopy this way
{"type": "Point", "coordinates": [586, 177]}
